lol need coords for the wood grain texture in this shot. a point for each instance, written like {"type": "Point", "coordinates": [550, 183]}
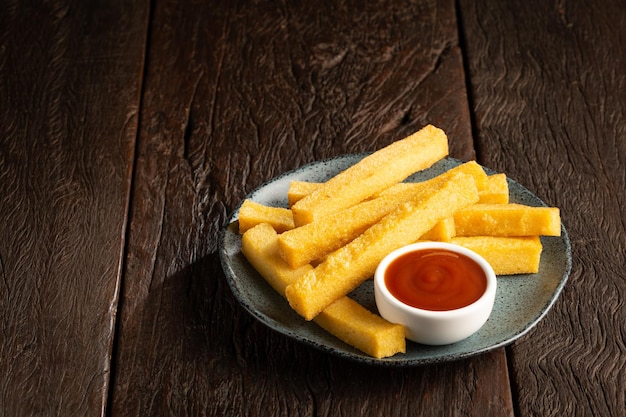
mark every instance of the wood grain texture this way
{"type": "Point", "coordinates": [68, 118]}
{"type": "Point", "coordinates": [234, 95]}
{"type": "Point", "coordinates": [548, 82]}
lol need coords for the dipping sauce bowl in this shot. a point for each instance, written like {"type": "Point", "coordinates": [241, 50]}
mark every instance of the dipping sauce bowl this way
{"type": "Point", "coordinates": [441, 292]}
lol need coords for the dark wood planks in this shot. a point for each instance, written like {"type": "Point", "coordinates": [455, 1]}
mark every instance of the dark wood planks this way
{"type": "Point", "coordinates": [234, 95]}
{"type": "Point", "coordinates": [70, 77]}
{"type": "Point", "coordinates": [548, 82]}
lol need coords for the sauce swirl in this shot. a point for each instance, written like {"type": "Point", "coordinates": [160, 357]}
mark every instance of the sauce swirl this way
{"type": "Point", "coordinates": [435, 279]}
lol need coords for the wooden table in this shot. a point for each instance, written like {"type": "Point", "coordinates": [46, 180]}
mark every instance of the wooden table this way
{"type": "Point", "coordinates": [129, 131]}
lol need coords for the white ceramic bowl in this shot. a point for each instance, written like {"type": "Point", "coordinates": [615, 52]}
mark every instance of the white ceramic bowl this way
{"type": "Point", "coordinates": [433, 327]}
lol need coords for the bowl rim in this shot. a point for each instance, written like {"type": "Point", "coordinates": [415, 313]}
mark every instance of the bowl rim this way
{"type": "Point", "coordinates": [486, 299]}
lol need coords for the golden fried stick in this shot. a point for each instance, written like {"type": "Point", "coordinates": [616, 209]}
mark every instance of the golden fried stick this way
{"type": "Point", "coordinates": [357, 326]}
{"type": "Point", "coordinates": [346, 268]}
{"type": "Point", "coordinates": [373, 174]}
{"type": "Point", "coordinates": [507, 220]}
{"type": "Point", "coordinates": [345, 318]}
{"type": "Point", "coordinates": [259, 245]}
{"type": "Point", "coordinates": [496, 190]}
{"type": "Point", "coordinates": [252, 213]}
{"type": "Point", "coordinates": [506, 255]}
{"type": "Point", "coordinates": [315, 240]}
{"type": "Point", "coordinates": [487, 184]}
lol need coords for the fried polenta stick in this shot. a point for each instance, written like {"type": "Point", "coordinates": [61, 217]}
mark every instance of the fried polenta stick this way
{"type": "Point", "coordinates": [252, 213]}
{"type": "Point", "coordinates": [300, 189]}
{"type": "Point", "coordinates": [259, 245]}
{"type": "Point", "coordinates": [357, 326]}
{"type": "Point", "coordinates": [487, 184]}
{"type": "Point", "coordinates": [506, 255]}
{"type": "Point", "coordinates": [346, 268]}
{"type": "Point", "coordinates": [321, 238]}
{"type": "Point", "coordinates": [507, 220]}
{"type": "Point", "coordinates": [373, 174]}
{"type": "Point", "coordinates": [443, 231]}
{"type": "Point", "coordinates": [315, 240]}
{"type": "Point", "coordinates": [345, 318]}
{"type": "Point", "coordinates": [496, 190]}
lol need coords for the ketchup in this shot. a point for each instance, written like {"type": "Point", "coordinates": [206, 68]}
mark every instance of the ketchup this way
{"type": "Point", "coordinates": [435, 279]}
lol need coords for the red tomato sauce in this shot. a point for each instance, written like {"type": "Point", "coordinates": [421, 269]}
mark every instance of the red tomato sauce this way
{"type": "Point", "coordinates": [435, 279]}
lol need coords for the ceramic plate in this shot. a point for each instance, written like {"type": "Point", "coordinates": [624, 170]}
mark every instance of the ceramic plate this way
{"type": "Point", "coordinates": [521, 300]}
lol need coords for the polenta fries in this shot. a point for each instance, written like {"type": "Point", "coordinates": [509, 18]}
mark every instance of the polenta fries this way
{"type": "Point", "coordinates": [334, 234]}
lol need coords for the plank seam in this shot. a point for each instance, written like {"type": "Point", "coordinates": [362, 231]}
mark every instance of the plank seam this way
{"type": "Point", "coordinates": [122, 267]}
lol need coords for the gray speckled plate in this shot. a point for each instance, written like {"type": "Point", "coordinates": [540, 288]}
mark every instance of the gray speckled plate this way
{"type": "Point", "coordinates": [521, 300]}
